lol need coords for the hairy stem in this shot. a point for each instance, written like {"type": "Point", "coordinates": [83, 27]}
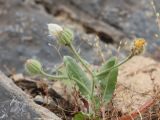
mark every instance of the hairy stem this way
{"type": "Point", "coordinates": [122, 62]}
{"type": "Point", "coordinates": [85, 66]}
{"type": "Point", "coordinates": [53, 77]}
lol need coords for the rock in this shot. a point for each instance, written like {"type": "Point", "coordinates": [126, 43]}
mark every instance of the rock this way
{"type": "Point", "coordinates": [138, 82]}
{"type": "Point", "coordinates": [112, 20]}
{"type": "Point", "coordinates": [22, 30]}
{"type": "Point", "coordinates": [75, 11]}
{"type": "Point", "coordinates": [17, 77]}
{"type": "Point", "coordinates": [24, 35]}
{"type": "Point", "coordinates": [136, 19]}
{"type": "Point", "coordinates": [16, 105]}
{"type": "Point", "coordinates": [40, 100]}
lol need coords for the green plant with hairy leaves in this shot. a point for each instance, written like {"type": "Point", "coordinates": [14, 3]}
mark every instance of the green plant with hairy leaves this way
{"type": "Point", "coordinates": [96, 87]}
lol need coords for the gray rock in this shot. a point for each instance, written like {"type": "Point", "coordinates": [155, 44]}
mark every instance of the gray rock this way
{"type": "Point", "coordinates": [23, 30]}
{"type": "Point", "coordinates": [23, 34]}
{"type": "Point", "coordinates": [81, 13]}
{"type": "Point", "coordinates": [115, 20]}
{"type": "Point", "coordinates": [16, 105]}
{"type": "Point", "coordinates": [135, 18]}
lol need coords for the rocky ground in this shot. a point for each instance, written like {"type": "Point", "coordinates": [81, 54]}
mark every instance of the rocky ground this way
{"type": "Point", "coordinates": [23, 32]}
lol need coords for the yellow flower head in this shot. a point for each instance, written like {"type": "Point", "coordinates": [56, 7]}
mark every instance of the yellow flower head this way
{"type": "Point", "coordinates": [139, 43]}
{"type": "Point", "coordinates": [138, 46]}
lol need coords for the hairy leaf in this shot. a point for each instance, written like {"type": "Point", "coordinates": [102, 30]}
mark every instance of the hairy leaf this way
{"type": "Point", "coordinates": [107, 65]}
{"type": "Point", "coordinates": [108, 79]}
{"type": "Point", "coordinates": [75, 73]}
{"type": "Point", "coordinates": [111, 80]}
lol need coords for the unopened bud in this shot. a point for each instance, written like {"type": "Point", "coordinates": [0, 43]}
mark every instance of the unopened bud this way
{"type": "Point", "coordinates": [33, 66]}
{"type": "Point", "coordinates": [66, 37]}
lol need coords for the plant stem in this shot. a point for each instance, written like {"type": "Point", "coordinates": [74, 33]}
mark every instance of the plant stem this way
{"type": "Point", "coordinates": [85, 66]}
{"type": "Point", "coordinates": [80, 59]}
{"type": "Point", "coordinates": [122, 62]}
{"type": "Point", "coordinates": [53, 77]}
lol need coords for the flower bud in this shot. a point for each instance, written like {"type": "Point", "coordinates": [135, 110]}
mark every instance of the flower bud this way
{"type": "Point", "coordinates": [54, 29]}
{"type": "Point", "coordinates": [66, 37]}
{"type": "Point", "coordinates": [138, 46]}
{"type": "Point", "coordinates": [63, 35]}
{"type": "Point", "coordinates": [33, 66]}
